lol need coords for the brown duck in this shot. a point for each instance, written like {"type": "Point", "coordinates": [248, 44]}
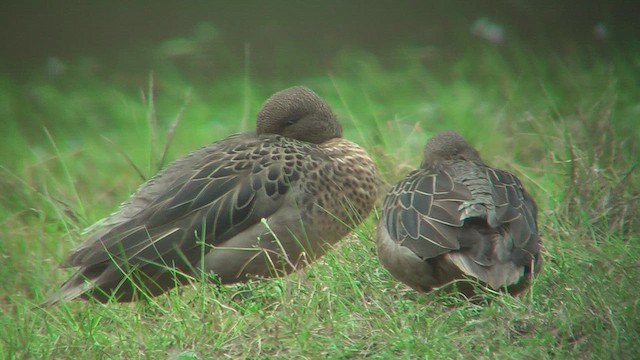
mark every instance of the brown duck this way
{"type": "Point", "coordinates": [253, 204]}
{"type": "Point", "coordinates": [456, 217]}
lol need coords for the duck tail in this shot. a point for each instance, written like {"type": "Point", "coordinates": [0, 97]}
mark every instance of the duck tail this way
{"type": "Point", "coordinates": [71, 289]}
{"type": "Point", "coordinates": [497, 275]}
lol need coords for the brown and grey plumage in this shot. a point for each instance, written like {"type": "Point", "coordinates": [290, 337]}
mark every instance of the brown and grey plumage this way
{"type": "Point", "coordinates": [456, 217]}
{"type": "Point", "coordinates": [253, 204]}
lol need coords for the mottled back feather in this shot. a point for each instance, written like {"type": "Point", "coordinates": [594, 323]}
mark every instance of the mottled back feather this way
{"type": "Point", "coordinates": [434, 211]}
{"type": "Point", "coordinates": [227, 201]}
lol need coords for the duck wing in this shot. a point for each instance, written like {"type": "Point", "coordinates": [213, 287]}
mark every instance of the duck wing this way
{"type": "Point", "coordinates": [197, 202]}
{"type": "Point", "coordinates": [481, 217]}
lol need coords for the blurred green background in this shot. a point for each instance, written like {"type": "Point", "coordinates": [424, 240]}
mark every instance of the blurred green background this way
{"type": "Point", "coordinates": [218, 32]}
{"type": "Point", "coordinates": [72, 46]}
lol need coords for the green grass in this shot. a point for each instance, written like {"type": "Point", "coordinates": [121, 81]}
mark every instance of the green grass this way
{"type": "Point", "coordinates": [567, 126]}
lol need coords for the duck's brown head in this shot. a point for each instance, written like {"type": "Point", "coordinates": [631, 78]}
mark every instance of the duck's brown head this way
{"type": "Point", "coordinates": [298, 113]}
{"type": "Point", "coordinates": [448, 145]}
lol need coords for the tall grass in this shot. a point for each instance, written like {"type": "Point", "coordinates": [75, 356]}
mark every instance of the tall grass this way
{"type": "Point", "coordinates": [566, 126]}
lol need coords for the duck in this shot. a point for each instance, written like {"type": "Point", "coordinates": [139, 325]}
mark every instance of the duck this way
{"type": "Point", "coordinates": [456, 218]}
{"type": "Point", "coordinates": [256, 204]}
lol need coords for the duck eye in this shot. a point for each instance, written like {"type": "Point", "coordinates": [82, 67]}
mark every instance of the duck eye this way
{"type": "Point", "coordinates": [291, 121]}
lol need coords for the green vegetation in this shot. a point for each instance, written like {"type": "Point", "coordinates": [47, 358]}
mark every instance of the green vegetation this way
{"type": "Point", "coordinates": [566, 125]}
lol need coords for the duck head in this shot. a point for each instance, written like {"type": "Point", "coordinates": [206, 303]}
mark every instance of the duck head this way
{"type": "Point", "coordinates": [298, 113]}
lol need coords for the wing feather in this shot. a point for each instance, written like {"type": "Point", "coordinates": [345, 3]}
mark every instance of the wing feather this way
{"type": "Point", "coordinates": [466, 207]}
{"type": "Point", "coordinates": [213, 200]}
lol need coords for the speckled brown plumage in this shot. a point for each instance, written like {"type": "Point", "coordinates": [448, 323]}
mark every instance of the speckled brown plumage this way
{"type": "Point", "coordinates": [455, 217]}
{"type": "Point", "coordinates": [252, 204]}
